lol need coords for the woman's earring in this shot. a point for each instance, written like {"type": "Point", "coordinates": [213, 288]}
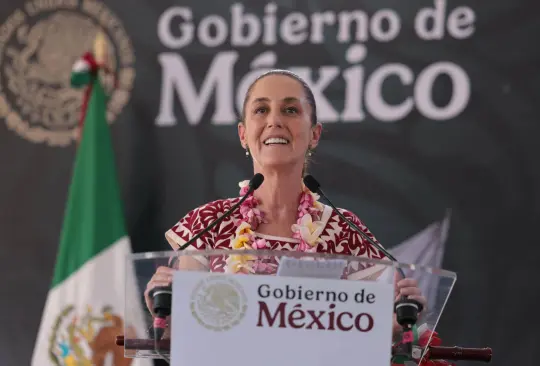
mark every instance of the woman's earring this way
{"type": "Point", "coordinates": [247, 152]}
{"type": "Point", "coordinates": [309, 152]}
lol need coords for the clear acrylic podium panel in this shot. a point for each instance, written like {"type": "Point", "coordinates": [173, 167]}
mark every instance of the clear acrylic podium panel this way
{"type": "Point", "coordinates": [436, 284]}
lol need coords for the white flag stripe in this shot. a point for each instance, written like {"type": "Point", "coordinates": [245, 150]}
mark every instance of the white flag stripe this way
{"type": "Point", "coordinates": [81, 66]}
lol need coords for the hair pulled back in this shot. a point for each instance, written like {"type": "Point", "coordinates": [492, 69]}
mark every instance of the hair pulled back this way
{"type": "Point", "coordinates": [307, 91]}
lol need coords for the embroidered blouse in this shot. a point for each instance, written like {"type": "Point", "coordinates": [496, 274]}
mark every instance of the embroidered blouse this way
{"type": "Point", "coordinates": [337, 237]}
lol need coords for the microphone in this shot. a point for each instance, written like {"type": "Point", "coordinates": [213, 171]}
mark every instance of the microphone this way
{"type": "Point", "coordinates": [314, 186]}
{"type": "Point", "coordinates": [162, 296]}
{"type": "Point", "coordinates": [254, 184]}
{"type": "Point", "coordinates": [406, 309]}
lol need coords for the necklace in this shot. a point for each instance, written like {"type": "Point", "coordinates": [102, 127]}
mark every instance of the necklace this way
{"type": "Point", "coordinates": [305, 229]}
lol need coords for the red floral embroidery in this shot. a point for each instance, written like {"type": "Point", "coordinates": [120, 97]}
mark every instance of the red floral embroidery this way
{"type": "Point", "coordinates": [337, 237]}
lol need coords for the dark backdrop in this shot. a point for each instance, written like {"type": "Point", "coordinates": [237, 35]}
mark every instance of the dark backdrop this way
{"type": "Point", "coordinates": [398, 173]}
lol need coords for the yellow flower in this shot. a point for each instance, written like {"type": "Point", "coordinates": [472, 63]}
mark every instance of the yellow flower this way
{"type": "Point", "coordinates": [240, 242]}
{"type": "Point", "coordinates": [238, 263]}
{"type": "Point", "coordinates": [244, 229]}
{"type": "Point", "coordinates": [315, 196]}
{"type": "Point", "coordinates": [308, 229]}
{"type": "Point", "coordinates": [319, 206]}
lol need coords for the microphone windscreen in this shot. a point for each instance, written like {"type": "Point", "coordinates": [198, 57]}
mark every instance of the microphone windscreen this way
{"type": "Point", "coordinates": [256, 181]}
{"type": "Point", "coordinates": [312, 183]}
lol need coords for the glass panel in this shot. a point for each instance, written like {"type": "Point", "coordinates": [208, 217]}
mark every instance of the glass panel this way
{"type": "Point", "coordinates": [435, 284]}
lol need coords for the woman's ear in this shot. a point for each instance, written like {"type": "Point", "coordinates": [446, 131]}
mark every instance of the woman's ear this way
{"type": "Point", "coordinates": [316, 132]}
{"type": "Point", "coordinates": [242, 134]}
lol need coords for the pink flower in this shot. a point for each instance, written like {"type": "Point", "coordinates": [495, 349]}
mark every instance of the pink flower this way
{"type": "Point", "coordinates": [303, 246]}
{"type": "Point", "coordinates": [243, 191]}
{"type": "Point", "coordinates": [244, 187]}
{"type": "Point", "coordinates": [250, 202]}
{"type": "Point", "coordinates": [253, 216]}
{"type": "Point", "coordinates": [259, 244]}
{"type": "Point", "coordinates": [260, 267]}
{"type": "Point", "coordinates": [308, 206]}
{"type": "Point", "coordinates": [250, 213]}
{"type": "Point", "coordinates": [313, 211]}
{"type": "Point", "coordinates": [244, 210]}
{"type": "Point", "coordinates": [306, 200]}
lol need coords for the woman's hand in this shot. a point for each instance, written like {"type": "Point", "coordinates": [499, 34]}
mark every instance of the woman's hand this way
{"type": "Point", "coordinates": [162, 278]}
{"type": "Point", "coordinates": [408, 287]}
{"type": "Point", "coordinates": [164, 275]}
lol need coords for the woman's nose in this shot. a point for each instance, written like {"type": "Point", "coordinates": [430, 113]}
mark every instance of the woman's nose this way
{"type": "Point", "coordinates": [274, 120]}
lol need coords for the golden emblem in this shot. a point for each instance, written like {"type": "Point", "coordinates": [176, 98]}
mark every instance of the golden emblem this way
{"type": "Point", "coordinates": [218, 303]}
{"type": "Point", "coordinates": [38, 48]}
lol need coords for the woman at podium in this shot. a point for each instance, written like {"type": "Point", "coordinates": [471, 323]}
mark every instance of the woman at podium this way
{"type": "Point", "coordinates": [279, 132]}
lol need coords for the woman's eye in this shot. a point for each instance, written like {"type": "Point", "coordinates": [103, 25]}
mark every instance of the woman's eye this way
{"type": "Point", "coordinates": [260, 110]}
{"type": "Point", "coordinates": [291, 110]}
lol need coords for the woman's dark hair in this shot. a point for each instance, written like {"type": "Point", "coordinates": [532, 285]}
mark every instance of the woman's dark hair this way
{"type": "Point", "coordinates": [307, 90]}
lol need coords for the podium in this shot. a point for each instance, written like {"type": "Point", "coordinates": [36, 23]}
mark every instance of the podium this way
{"type": "Point", "coordinates": [240, 307]}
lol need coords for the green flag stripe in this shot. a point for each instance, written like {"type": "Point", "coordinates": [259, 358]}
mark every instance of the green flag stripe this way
{"type": "Point", "coordinates": [81, 78]}
{"type": "Point", "coordinates": [94, 215]}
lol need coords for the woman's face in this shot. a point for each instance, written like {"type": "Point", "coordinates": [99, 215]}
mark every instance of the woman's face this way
{"type": "Point", "coordinates": [277, 127]}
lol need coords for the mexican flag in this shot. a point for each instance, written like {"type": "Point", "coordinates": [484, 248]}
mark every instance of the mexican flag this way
{"type": "Point", "coordinates": [86, 306]}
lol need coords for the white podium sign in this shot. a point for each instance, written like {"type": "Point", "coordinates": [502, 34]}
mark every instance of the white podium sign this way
{"type": "Point", "coordinates": [246, 320]}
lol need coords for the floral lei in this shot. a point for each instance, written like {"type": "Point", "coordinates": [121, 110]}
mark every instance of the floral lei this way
{"type": "Point", "coordinates": [306, 230]}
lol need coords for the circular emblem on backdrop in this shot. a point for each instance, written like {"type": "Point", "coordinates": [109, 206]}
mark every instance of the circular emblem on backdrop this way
{"type": "Point", "coordinates": [218, 303]}
{"type": "Point", "coordinates": [39, 44]}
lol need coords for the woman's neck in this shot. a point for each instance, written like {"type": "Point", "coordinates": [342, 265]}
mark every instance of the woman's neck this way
{"type": "Point", "coordinates": [279, 194]}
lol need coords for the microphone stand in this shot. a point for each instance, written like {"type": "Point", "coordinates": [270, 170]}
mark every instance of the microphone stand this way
{"type": "Point", "coordinates": [406, 309]}
{"type": "Point", "coordinates": [162, 296]}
